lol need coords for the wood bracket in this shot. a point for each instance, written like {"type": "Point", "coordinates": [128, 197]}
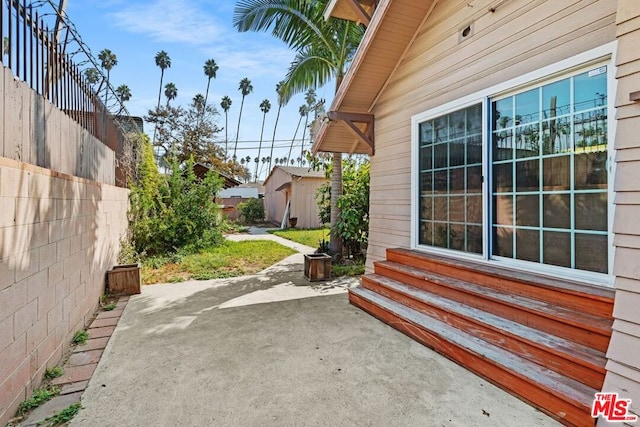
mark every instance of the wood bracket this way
{"type": "Point", "coordinates": [350, 120]}
{"type": "Point", "coordinates": [364, 17]}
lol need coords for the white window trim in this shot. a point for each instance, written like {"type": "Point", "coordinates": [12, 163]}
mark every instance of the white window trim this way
{"type": "Point", "coordinates": [604, 53]}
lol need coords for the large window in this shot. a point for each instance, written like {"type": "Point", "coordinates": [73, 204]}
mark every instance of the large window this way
{"type": "Point", "coordinates": [450, 182]}
{"type": "Point", "coordinates": [546, 196]}
{"type": "Point", "coordinates": [549, 149]}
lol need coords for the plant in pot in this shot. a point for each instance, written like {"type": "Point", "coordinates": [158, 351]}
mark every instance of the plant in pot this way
{"type": "Point", "coordinates": [293, 222]}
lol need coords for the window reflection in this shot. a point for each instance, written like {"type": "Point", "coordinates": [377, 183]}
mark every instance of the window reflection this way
{"type": "Point", "coordinates": [549, 173]}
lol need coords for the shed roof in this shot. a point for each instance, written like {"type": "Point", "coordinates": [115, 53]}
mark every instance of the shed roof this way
{"type": "Point", "coordinates": [297, 172]}
{"type": "Point", "coordinates": [393, 27]}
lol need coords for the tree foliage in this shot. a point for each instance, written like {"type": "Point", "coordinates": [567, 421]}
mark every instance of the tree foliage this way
{"type": "Point", "coordinates": [192, 132]}
{"type": "Point", "coordinates": [251, 211]}
{"type": "Point", "coordinates": [172, 213]}
{"type": "Point", "coordinates": [353, 220]}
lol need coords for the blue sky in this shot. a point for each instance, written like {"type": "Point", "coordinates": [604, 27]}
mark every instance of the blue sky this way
{"type": "Point", "coordinates": [192, 31]}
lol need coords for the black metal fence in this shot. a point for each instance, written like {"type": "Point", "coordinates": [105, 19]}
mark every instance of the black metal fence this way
{"type": "Point", "coordinates": [36, 55]}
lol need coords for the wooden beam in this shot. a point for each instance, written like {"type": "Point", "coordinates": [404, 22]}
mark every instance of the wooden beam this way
{"type": "Point", "coordinates": [362, 14]}
{"type": "Point", "coordinates": [350, 120]}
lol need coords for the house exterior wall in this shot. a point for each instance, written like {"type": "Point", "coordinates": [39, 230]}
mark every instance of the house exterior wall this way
{"type": "Point", "coordinates": [520, 37]}
{"type": "Point", "coordinates": [623, 365]}
{"type": "Point", "coordinates": [59, 234]}
{"type": "Point", "coordinates": [303, 201]}
{"type": "Point", "coordinates": [275, 201]}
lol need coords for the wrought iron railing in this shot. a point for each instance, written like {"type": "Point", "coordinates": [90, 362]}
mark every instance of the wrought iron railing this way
{"type": "Point", "coordinates": [38, 56]}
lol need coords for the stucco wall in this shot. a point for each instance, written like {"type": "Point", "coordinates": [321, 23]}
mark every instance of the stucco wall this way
{"type": "Point", "coordinates": [520, 37]}
{"type": "Point", "coordinates": [623, 366]}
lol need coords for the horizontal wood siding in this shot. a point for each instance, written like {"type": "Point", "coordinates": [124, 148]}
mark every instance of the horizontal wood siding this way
{"type": "Point", "coordinates": [624, 364]}
{"type": "Point", "coordinates": [520, 37]}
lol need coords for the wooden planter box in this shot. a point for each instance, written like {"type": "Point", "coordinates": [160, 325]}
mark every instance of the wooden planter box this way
{"type": "Point", "coordinates": [317, 267]}
{"type": "Point", "coordinates": [124, 279]}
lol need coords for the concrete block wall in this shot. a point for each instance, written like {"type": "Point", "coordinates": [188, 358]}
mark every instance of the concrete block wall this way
{"type": "Point", "coordinates": [59, 234]}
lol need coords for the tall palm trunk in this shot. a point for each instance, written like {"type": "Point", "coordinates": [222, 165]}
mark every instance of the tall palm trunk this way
{"type": "Point", "coordinates": [160, 90]}
{"type": "Point", "coordinates": [235, 147]}
{"type": "Point", "coordinates": [264, 116]}
{"type": "Point", "coordinates": [273, 140]}
{"type": "Point", "coordinates": [226, 133]}
{"type": "Point", "coordinates": [304, 131]}
{"type": "Point", "coordinates": [293, 139]}
{"type": "Point", "coordinates": [335, 241]}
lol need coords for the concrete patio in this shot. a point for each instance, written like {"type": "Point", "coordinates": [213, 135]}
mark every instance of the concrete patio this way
{"type": "Point", "coordinates": [273, 350]}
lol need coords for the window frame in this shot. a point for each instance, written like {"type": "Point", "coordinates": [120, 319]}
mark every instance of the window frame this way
{"type": "Point", "coordinates": [603, 55]}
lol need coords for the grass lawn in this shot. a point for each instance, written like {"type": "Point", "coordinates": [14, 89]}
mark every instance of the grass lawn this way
{"type": "Point", "coordinates": [310, 237]}
{"type": "Point", "coordinates": [228, 260]}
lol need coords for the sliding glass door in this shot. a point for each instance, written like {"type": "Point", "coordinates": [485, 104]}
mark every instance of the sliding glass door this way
{"type": "Point", "coordinates": [549, 192]}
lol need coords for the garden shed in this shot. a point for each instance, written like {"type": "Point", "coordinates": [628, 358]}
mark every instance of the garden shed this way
{"type": "Point", "coordinates": [293, 188]}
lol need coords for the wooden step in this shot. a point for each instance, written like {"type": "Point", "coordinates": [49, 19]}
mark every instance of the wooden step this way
{"type": "Point", "coordinates": [577, 326]}
{"type": "Point", "coordinates": [596, 300]}
{"type": "Point", "coordinates": [581, 363]}
{"type": "Point", "coordinates": [563, 398]}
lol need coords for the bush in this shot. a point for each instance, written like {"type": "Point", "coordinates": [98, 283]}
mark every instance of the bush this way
{"type": "Point", "coordinates": [353, 222]}
{"type": "Point", "coordinates": [251, 211]}
{"type": "Point", "coordinates": [176, 213]}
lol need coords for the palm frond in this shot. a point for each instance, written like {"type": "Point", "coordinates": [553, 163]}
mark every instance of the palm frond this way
{"type": "Point", "coordinates": [310, 68]}
{"type": "Point", "coordinates": [297, 23]}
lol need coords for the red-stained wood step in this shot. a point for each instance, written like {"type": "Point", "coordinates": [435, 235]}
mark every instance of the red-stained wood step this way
{"type": "Point", "coordinates": [588, 298]}
{"type": "Point", "coordinates": [566, 400]}
{"type": "Point", "coordinates": [585, 329]}
{"type": "Point", "coordinates": [568, 358]}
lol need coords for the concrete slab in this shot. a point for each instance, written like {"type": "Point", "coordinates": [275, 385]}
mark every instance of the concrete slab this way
{"type": "Point", "coordinates": [274, 350]}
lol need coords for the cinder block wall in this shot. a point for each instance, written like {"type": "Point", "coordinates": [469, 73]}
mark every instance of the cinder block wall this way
{"type": "Point", "coordinates": [59, 234]}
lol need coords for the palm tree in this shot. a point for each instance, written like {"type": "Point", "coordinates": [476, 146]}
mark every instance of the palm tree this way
{"type": "Point", "coordinates": [163, 61]}
{"type": "Point", "coordinates": [171, 92]}
{"type": "Point", "coordinates": [249, 159]}
{"type": "Point", "coordinates": [124, 93]}
{"type": "Point", "coordinates": [303, 113]}
{"type": "Point", "coordinates": [281, 103]}
{"type": "Point", "coordinates": [245, 88]}
{"type": "Point", "coordinates": [324, 49]}
{"type": "Point", "coordinates": [310, 98]}
{"type": "Point", "coordinates": [92, 75]}
{"type": "Point", "coordinates": [210, 70]}
{"type": "Point", "coordinates": [108, 60]}
{"type": "Point", "coordinates": [265, 106]}
{"type": "Point", "coordinates": [226, 104]}
{"type": "Point", "coordinates": [198, 102]}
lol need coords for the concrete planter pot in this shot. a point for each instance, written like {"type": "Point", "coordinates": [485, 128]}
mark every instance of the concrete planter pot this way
{"type": "Point", "coordinates": [317, 267]}
{"type": "Point", "coordinates": [124, 279]}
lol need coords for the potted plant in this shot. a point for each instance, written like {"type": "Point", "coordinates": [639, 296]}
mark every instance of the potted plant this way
{"type": "Point", "coordinates": [293, 222]}
{"type": "Point", "coordinates": [317, 266]}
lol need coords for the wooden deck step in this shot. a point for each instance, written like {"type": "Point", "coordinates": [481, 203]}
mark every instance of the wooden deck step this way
{"type": "Point", "coordinates": [561, 397]}
{"type": "Point", "coordinates": [583, 328]}
{"type": "Point", "coordinates": [596, 300]}
{"type": "Point", "coordinates": [579, 362]}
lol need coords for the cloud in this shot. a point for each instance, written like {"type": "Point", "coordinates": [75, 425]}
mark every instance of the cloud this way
{"type": "Point", "coordinates": [178, 21]}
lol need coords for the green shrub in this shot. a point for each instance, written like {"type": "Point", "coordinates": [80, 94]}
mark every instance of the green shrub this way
{"type": "Point", "coordinates": [353, 222]}
{"type": "Point", "coordinates": [173, 213]}
{"type": "Point", "coordinates": [251, 211]}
